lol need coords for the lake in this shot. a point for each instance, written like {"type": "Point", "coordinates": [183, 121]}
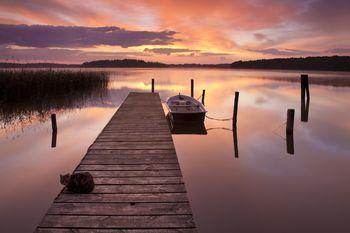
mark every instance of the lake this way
{"type": "Point", "coordinates": [259, 187]}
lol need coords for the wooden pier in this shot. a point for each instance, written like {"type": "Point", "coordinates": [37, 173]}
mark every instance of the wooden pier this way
{"type": "Point", "coordinates": [139, 186]}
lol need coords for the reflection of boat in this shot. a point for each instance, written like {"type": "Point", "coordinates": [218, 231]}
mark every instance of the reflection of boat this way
{"type": "Point", "coordinates": [185, 108]}
{"type": "Point", "coordinates": [183, 127]}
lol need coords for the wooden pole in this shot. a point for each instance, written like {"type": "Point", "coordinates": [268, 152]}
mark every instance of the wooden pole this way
{"type": "Point", "coordinates": [290, 144]}
{"type": "Point", "coordinates": [290, 121]}
{"type": "Point", "coordinates": [203, 96]}
{"type": "Point", "coordinates": [54, 139]}
{"type": "Point", "coordinates": [192, 88]}
{"type": "Point", "coordinates": [152, 85]}
{"type": "Point", "coordinates": [235, 141]}
{"type": "Point", "coordinates": [235, 110]}
{"type": "Point", "coordinates": [53, 122]}
{"type": "Point", "coordinates": [304, 80]}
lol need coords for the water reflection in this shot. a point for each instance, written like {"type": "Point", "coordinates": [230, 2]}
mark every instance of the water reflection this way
{"type": "Point", "coordinates": [180, 127]}
{"type": "Point", "coordinates": [25, 111]}
{"type": "Point", "coordinates": [263, 184]}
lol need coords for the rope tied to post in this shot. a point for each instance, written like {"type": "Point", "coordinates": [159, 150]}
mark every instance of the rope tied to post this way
{"type": "Point", "coordinates": [219, 119]}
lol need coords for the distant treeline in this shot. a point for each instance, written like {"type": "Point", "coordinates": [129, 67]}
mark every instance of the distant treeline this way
{"type": "Point", "coordinates": [124, 63]}
{"type": "Point", "coordinates": [335, 63]}
{"type": "Point", "coordinates": [36, 65]}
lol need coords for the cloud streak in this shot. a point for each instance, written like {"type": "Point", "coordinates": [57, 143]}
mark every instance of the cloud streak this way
{"type": "Point", "coordinates": [44, 36]}
{"type": "Point", "coordinates": [169, 51]}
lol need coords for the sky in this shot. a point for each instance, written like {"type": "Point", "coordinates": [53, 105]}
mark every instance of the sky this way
{"type": "Point", "coordinates": [178, 31]}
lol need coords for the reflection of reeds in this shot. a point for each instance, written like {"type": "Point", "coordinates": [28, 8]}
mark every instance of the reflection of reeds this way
{"type": "Point", "coordinates": [26, 94]}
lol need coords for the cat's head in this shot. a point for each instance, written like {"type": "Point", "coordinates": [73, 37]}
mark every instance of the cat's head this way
{"type": "Point", "coordinates": [64, 179]}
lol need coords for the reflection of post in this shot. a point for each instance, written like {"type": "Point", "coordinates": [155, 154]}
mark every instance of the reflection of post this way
{"type": "Point", "coordinates": [235, 110]}
{"type": "Point", "coordinates": [304, 108]}
{"type": "Point", "coordinates": [304, 81]}
{"type": "Point", "coordinates": [203, 96]}
{"type": "Point", "coordinates": [290, 130]}
{"type": "Point", "coordinates": [54, 130]}
{"type": "Point", "coordinates": [290, 121]}
{"type": "Point", "coordinates": [53, 122]}
{"type": "Point", "coordinates": [235, 140]}
{"type": "Point", "coordinates": [290, 143]}
{"type": "Point", "coordinates": [192, 87]}
{"type": "Point", "coordinates": [54, 139]}
{"type": "Point", "coordinates": [152, 85]}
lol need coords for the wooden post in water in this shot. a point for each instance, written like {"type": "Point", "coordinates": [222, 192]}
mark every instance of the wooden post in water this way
{"type": "Point", "coordinates": [289, 131]}
{"type": "Point", "coordinates": [304, 86]}
{"type": "Point", "coordinates": [152, 85]}
{"type": "Point", "coordinates": [203, 96]}
{"type": "Point", "coordinates": [54, 139]}
{"type": "Point", "coordinates": [290, 143]}
{"type": "Point", "coordinates": [54, 130]}
{"type": "Point", "coordinates": [304, 81]}
{"type": "Point", "coordinates": [192, 88]}
{"type": "Point", "coordinates": [235, 140]}
{"type": "Point", "coordinates": [235, 110]}
{"type": "Point", "coordinates": [290, 121]}
{"type": "Point", "coordinates": [53, 122]}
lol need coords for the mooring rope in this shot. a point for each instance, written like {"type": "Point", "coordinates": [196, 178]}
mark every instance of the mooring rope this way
{"type": "Point", "coordinates": [214, 128]}
{"type": "Point", "coordinates": [278, 127]}
{"type": "Point", "coordinates": [219, 119]}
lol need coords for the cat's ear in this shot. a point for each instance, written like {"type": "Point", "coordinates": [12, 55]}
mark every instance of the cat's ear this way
{"type": "Point", "coordinates": [64, 179]}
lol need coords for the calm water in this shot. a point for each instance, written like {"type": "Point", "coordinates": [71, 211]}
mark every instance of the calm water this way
{"type": "Point", "coordinates": [264, 189]}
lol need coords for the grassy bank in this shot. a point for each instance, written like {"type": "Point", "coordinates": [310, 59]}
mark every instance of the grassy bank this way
{"type": "Point", "coordinates": [27, 85]}
{"type": "Point", "coordinates": [28, 93]}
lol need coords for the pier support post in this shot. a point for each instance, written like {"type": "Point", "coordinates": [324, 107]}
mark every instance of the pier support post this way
{"type": "Point", "coordinates": [54, 122]}
{"type": "Point", "coordinates": [235, 110]}
{"type": "Point", "coordinates": [203, 96]}
{"type": "Point", "coordinates": [152, 85]}
{"type": "Point", "coordinates": [192, 88]}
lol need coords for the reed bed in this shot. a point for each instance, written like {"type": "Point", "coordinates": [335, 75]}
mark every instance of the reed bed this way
{"type": "Point", "coordinates": [25, 94]}
{"type": "Point", "coordinates": [36, 84]}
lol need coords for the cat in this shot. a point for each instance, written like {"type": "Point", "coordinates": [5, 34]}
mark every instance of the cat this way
{"type": "Point", "coordinates": [78, 182]}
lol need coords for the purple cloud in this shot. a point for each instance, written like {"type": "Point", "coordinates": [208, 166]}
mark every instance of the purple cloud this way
{"type": "Point", "coordinates": [339, 50]}
{"type": "Point", "coordinates": [169, 51]}
{"type": "Point", "coordinates": [43, 36]}
{"type": "Point", "coordinates": [284, 52]}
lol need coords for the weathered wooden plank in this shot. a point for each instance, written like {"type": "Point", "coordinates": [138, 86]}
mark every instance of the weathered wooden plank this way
{"type": "Point", "coordinates": [159, 188]}
{"type": "Point", "coordinates": [76, 230]}
{"type": "Point", "coordinates": [88, 160]}
{"type": "Point", "coordinates": [134, 135]}
{"type": "Point", "coordinates": [133, 145]}
{"type": "Point", "coordinates": [130, 157]}
{"type": "Point", "coordinates": [133, 197]}
{"type": "Point", "coordinates": [163, 173]}
{"type": "Point", "coordinates": [120, 209]}
{"type": "Point", "coordinates": [137, 167]}
{"type": "Point", "coordinates": [139, 180]}
{"type": "Point", "coordinates": [170, 221]}
{"type": "Point", "coordinates": [132, 152]}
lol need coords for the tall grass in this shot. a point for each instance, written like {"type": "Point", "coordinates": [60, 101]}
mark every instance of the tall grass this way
{"type": "Point", "coordinates": [27, 85]}
{"type": "Point", "coordinates": [28, 93]}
